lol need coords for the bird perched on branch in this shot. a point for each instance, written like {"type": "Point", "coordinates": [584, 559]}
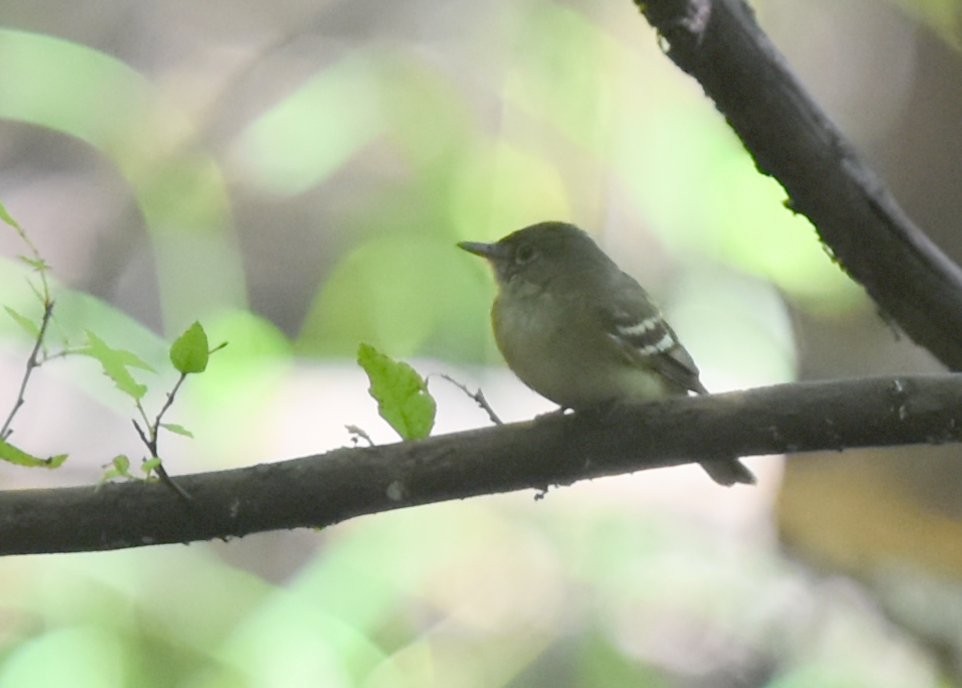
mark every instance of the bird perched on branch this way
{"type": "Point", "coordinates": [579, 331]}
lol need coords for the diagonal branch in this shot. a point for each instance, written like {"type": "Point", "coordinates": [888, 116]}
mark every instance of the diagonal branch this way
{"type": "Point", "coordinates": [719, 43]}
{"type": "Point", "coordinates": [323, 490]}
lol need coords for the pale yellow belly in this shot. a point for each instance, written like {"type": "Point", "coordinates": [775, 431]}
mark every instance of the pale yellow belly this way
{"type": "Point", "coordinates": [568, 359]}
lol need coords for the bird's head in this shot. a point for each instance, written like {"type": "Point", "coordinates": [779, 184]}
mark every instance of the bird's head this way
{"type": "Point", "coordinates": [538, 254]}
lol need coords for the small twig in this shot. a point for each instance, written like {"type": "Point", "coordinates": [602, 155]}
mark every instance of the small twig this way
{"type": "Point", "coordinates": [477, 396]}
{"type": "Point", "coordinates": [143, 417]}
{"type": "Point", "coordinates": [33, 362]}
{"type": "Point", "coordinates": [167, 404]}
{"type": "Point", "coordinates": [359, 433]}
{"type": "Point", "coordinates": [140, 431]}
{"type": "Point", "coordinates": [63, 353]}
{"type": "Point", "coordinates": [149, 438]}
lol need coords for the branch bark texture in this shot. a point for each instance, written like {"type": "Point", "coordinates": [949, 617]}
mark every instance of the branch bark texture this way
{"type": "Point", "coordinates": [719, 43]}
{"type": "Point", "coordinates": [326, 489]}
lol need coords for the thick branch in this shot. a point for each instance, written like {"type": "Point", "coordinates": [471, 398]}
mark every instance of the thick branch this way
{"type": "Point", "coordinates": [719, 43]}
{"type": "Point", "coordinates": [323, 490]}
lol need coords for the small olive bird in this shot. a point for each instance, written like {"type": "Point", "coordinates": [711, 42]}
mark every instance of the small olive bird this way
{"type": "Point", "coordinates": [582, 333]}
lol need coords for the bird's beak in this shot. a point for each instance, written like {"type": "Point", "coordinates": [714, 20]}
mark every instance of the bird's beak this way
{"type": "Point", "coordinates": [489, 251]}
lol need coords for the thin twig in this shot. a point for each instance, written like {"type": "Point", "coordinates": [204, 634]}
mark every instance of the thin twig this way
{"type": "Point", "coordinates": [63, 353]}
{"type": "Point", "coordinates": [477, 396]}
{"type": "Point", "coordinates": [167, 404]}
{"type": "Point", "coordinates": [143, 435]}
{"type": "Point", "coordinates": [150, 439]}
{"type": "Point", "coordinates": [33, 362]}
{"type": "Point", "coordinates": [359, 433]}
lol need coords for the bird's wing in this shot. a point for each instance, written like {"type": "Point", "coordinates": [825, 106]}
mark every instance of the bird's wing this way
{"type": "Point", "coordinates": [635, 324]}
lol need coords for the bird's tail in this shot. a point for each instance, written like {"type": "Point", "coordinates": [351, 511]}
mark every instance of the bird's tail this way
{"type": "Point", "coordinates": [728, 472]}
{"type": "Point", "coordinates": [725, 472]}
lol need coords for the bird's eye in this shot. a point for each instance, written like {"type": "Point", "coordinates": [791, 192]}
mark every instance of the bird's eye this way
{"type": "Point", "coordinates": [525, 254]}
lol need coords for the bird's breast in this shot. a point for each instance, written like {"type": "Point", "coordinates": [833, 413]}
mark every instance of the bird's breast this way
{"type": "Point", "coordinates": [557, 350]}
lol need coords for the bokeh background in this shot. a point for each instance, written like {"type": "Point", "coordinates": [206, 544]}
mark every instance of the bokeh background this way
{"type": "Point", "coordinates": [295, 174]}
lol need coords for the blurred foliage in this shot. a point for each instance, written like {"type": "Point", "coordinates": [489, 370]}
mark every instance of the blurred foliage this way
{"type": "Point", "coordinates": [738, 218]}
{"type": "Point", "coordinates": [339, 111]}
{"type": "Point", "coordinates": [465, 184]}
{"type": "Point", "coordinates": [467, 594]}
{"type": "Point", "coordinates": [83, 93]}
{"type": "Point", "coordinates": [354, 306]}
{"type": "Point", "coordinates": [942, 16]}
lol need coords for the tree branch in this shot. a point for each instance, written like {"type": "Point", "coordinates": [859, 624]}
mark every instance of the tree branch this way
{"type": "Point", "coordinates": [719, 43]}
{"type": "Point", "coordinates": [318, 491]}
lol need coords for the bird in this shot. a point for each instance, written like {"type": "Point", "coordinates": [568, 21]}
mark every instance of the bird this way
{"type": "Point", "coordinates": [582, 333]}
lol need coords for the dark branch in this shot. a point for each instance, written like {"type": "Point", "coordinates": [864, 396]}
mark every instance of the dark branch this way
{"type": "Point", "coordinates": [322, 490]}
{"type": "Point", "coordinates": [719, 43]}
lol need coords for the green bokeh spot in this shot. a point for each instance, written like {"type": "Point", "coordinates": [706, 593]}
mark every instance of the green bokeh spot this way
{"type": "Point", "coordinates": [499, 188]}
{"type": "Point", "coordinates": [303, 139]}
{"type": "Point", "coordinates": [81, 92]}
{"type": "Point", "coordinates": [702, 194]}
{"type": "Point", "coordinates": [394, 291]}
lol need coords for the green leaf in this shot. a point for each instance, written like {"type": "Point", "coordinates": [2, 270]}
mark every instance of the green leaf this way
{"type": "Point", "coordinates": [10, 453]}
{"type": "Point", "coordinates": [26, 323]}
{"type": "Point", "coordinates": [121, 464]}
{"type": "Point", "coordinates": [55, 461]}
{"type": "Point", "coordinates": [402, 395]}
{"type": "Point", "coordinates": [115, 363]}
{"type": "Point", "coordinates": [8, 218]}
{"type": "Point", "coordinates": [177, 429]}
{"type": "Point", "coordinates": [190, 352]}
{"type": "Point", "coordinates": [119, 468]}
{"type": "Point", "coordinates": [150, 465]}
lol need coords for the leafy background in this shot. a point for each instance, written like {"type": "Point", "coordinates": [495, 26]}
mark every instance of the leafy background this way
{"type": "Point", "coordinates": [295, 175]}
